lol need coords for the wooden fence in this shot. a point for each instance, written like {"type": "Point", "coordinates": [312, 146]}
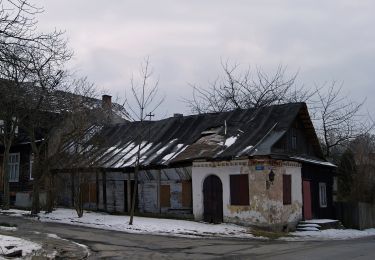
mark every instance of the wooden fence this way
{"type": "Point", "coordinates": [357, 215]}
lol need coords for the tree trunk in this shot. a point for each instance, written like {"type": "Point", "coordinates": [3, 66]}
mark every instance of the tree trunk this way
{"type": "Point", "coordinates": [78, 199]}
{"type": "Point", "coordinates": [132, 209]}
{"type": "Point", "coordinates": [50, 194]}
{"type": "Point", "coordinates": [5, 166]}
{"type": "Point", "coordinates": [35, 206]}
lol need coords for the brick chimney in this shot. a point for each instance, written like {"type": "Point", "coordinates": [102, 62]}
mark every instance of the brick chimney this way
{"type": "Point", "coordinates": [107, 102]}
{"type": "Point", "coordinates": [107, 108]}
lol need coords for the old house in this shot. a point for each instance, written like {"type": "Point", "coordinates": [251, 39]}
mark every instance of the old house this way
{"type": "Point", "coordinates": [21, 158]}
{"type": "Point", "coordinates": [259, 167]}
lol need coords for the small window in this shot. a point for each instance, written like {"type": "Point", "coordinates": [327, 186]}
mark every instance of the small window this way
{"type": "Point", "coordinates": [239, 189]}
{"type": "Point", "coordinates": [31, 166]}
{"type": "Point", "coordinates": [186, 194]}
{"type": "Point", "coordinates": [14, 167]}
{"type": "Point", "coordinates": [294, 139]}
{"type": "Point", "coordinates": [287, 189]}
{"type": "Point", "coordinates": [165, 196]}
{"type": "Point", "coordinates": [322, 195]}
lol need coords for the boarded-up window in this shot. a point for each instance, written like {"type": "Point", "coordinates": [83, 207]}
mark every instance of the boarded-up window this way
{"type": "Point", "coordinates": [186, 194]}
{"type": "Point", "coordinates": [239, 189]}
{"type": "Point", "coordinates": [89, 192]}
{"type": "Point", "coordinates": [287, 189]}
{"type": "Point", "coordinates": [165, 195]}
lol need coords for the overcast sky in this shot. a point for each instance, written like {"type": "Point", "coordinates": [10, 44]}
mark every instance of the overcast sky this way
{"type": "Point", "coordinates": [323, 40]}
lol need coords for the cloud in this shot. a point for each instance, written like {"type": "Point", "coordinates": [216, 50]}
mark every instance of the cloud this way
{"type": "Point", "coordinates": [323, 40]}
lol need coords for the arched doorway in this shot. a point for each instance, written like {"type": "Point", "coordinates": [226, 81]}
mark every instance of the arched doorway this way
{"type": "Point", "coordinates": [213, 199]}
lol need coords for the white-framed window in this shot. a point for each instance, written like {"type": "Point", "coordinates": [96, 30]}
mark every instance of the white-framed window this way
{"type": "Point", "coordinates": [2, 125]}
{"type": "Point", "coordinates": [14, 167]}
{"type": "Point", "coordinates": [322, 195]}
{"type": "Point", "coordinates": [31, 166]}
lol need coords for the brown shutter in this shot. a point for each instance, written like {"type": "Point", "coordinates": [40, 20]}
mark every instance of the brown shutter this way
{"type": "Point", "coordinates": [186, 194]}
{"type": "Point", "coordinates": [287, 189]}
{"type": "Point", "coordinates": [165, 195]}
{"type": "Point", "coordinates": [239, 189]}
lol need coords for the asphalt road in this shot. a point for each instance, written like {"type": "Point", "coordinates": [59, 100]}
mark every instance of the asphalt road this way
{"type": "Point", "coordinates": [120, 245]}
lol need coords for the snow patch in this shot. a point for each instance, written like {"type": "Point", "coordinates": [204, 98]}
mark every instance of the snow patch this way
{"type": "Point", "coordinates": [230, 141]}
{"type": "Point", "coordinates": [329, 234]}
{"type": "Point", "coordinates": [319, 221]}
{"type": "Point", "coordinates": [16, 243]}
{"type": "Point", "coordinates": [143, 225]}
{"type": "Point", "coordinates": [8, 228]}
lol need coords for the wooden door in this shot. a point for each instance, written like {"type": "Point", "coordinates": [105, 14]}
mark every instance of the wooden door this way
{"type": "Point", "coordinates": [307, 210]}
{"type": "Point", "coordinates": [213, 199]}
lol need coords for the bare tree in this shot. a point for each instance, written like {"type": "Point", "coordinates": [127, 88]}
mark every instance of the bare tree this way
{"type": "Point", "coordinates": [24, 54]}
{"type": "Point", "coordinates": [8, 130]}
{"type": "Point", "coordinates": [246, 89]}
{"type": "Point", "coordinates": [363, 179]}
{"type": "Point", "coordinates": [338, 119]}
{"type": "Point", "coordinates": [145, 95]}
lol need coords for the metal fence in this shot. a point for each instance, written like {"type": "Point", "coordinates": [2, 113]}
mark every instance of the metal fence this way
{"type": "Point", "coordinates": [357, 215]}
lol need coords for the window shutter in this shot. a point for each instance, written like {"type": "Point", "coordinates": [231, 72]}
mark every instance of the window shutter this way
{"type": "Point", "coordinates": [165, 195]}
{"type": "Point", "coordinates": [186, 194]}
{"type": "Point", "coordinates": [287, 189]}
{"type": "Point", "coordinates": [239, 189]}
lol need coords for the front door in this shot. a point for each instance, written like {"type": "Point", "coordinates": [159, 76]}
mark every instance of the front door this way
{"type": "Point", "coordinates": [213, 199]}
{"type": "Point", "coordinates": [307, 211]}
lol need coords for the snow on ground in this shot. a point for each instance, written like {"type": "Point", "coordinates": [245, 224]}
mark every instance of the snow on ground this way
{"type": "Point", "coordinates": [141, 224]}
{"type": "Point", "coordinates": [9, 244]}
{"type": "Point", "coordinates": [8, 228]}
{"type": "Point", "coordinates": [78, 244]}
{"type": "Point", "coordinates": [329, 234]}
{"type": "Point", "coordinates": [319, 221]}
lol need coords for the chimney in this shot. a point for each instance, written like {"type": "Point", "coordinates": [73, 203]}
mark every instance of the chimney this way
{"type": "Point", "coordinates": [177, 115]}
{"type": "Point", "coordinates": [107, 108]}
{"type": "Point", "coordinates": [107, 102]}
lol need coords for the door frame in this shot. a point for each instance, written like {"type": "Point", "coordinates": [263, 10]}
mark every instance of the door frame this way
{"type": "Point", "coordinates": [307, 199]}
{"type": "Point", "coordinates": [212, 199]}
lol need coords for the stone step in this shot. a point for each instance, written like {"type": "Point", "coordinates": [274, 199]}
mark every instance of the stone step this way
{"type": "Point", "coordinates": [323, 223]}
{"type": "Point", "coordinates": [307, 229]}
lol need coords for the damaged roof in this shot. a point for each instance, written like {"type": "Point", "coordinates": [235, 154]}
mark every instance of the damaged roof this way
{"type": "Point", "coordinates": [213, 136]}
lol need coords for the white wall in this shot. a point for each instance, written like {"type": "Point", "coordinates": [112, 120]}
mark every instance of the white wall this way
{"type": "Point", "coordinates": [265, 205]}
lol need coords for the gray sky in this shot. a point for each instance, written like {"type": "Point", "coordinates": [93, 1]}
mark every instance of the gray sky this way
{"type": "Point", "coordinates": [323, 40]}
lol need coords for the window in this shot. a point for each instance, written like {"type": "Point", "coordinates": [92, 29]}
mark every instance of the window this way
{"type": "Point", "coordinates": [31, 166]}
{"type": "Point", "coordinates": [14, 167]}
{"type": "Point", "coordinates": [287, 189]}
{"type": "Point", "coordinates": [322, 195]}
{"type": "Point", "coordinates": [2, 126]}
{"type": "Point", "coordinates": [239, 189]}
{"type": "Point", "coordinates": [186, 194]}
{"type": "Point", "coordinates": [294, 139]}
{"type": "Point", "coordinates": [165, 195]}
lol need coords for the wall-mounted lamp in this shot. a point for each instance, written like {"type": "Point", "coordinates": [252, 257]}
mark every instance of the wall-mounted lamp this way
{"type": "Point", "coordinates": [271, 178]}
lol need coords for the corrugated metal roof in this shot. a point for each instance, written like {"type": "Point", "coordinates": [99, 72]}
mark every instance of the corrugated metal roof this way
{"type": "Point", "coordinates": [173, 140]}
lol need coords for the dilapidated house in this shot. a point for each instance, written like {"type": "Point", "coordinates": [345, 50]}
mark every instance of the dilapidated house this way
{"type": "Point", "coordinates": [54, 110]}
{"type": "Point", "coordinates": [259, 167]}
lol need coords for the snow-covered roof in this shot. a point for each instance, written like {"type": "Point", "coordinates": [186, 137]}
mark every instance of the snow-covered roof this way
{"type": "Point", "coordinates": [214, 136]}
{"type": "Point", "coordinates": [313, 161]}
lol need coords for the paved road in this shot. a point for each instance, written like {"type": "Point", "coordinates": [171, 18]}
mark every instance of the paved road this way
{"type": "Point", "coordinates": [120, 245]}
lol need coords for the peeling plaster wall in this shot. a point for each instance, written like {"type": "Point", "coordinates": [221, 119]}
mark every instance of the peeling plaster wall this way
{"type": "Point", "coordinates": [265, 205]}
